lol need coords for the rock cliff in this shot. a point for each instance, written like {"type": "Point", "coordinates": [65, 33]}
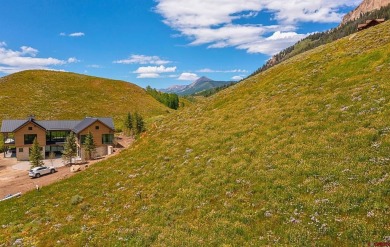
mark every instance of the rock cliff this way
{"type": "Point", "coordinates": [364, 7]}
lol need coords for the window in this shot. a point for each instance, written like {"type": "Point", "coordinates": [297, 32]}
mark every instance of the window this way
{"type": "Point", "coordinates": [96, 127]}
{"type": "Point", "coordinates": [107, 138]}
{"type": "Point", "coordinates": [20, 150]}
{"type": "Point", "coordinates": [82, 139]}
{"type": "Point", "coordinates": [29, 128]}
{"type": "Point", "coordinates": [56, 136]}
{"type": "Point", "coordinates": [29, 138]}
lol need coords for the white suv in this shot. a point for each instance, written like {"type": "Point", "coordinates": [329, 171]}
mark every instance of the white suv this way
{"type": "Point", "coordinates": [36, 172]}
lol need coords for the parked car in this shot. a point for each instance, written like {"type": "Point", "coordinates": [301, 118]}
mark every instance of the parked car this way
{"type": "Point", "coordinates": [36, 172]}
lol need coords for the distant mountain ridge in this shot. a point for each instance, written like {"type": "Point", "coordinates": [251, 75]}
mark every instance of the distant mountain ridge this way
{"type": "Point", "coordinates": [201, 84]}
{"type": "Point", "coordinates": [365, 7]}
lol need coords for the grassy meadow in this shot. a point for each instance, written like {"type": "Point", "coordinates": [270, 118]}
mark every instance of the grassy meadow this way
{"type": "Point", "coordinates": [296, 156]}
{"type": "Point", "coordinates": [62, 95]}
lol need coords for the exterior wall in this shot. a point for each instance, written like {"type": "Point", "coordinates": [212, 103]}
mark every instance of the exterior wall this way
{"type": "Point", "coordinates": [25, 155]}
{"type": "Point", "coordinates": [19, 140]}
{"type": "Point", "coordinates": [101, 149]}
{"type": "Point", "coordinates": [97, 133]}
{"type": "Point", "coordinates": [19, 135]}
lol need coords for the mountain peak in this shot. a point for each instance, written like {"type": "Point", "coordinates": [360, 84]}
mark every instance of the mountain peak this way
{"type": "Point", "coordinates": [202, 79]}
{"type": "Point", "coordinates": [365, 7]}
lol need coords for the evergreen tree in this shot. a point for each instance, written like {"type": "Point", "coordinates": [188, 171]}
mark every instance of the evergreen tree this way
{"type": "Point", "coordinates": [140, 124]}
{"type": "Point", "coordinates": [35, 154]}
{"type": "Point", "coordinates": [70, 148]}
{"type": "Point", "coordinates": [128, 124]}
{"type": "Point", "coordinates": [89, 145]}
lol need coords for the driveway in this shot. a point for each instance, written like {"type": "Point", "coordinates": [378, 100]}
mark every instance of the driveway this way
{"type": "Point", "coordinates": [25, 165]}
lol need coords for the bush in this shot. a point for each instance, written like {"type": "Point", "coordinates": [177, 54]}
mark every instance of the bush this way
{"type": "Point", "coordinates": [76, 199]}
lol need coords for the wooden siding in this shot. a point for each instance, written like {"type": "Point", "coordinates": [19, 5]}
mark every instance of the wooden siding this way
{"type": "Point", "coordinates": [97, 133]}
{"type": "Point", "coordinates": [36, 129]}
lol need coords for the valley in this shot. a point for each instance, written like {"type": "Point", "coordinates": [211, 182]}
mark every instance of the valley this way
{"type": "Point", "coordinates": [297, 155]}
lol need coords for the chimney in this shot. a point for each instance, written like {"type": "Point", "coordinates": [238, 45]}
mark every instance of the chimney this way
{"type": "Point", "coordinates": [31, 117]}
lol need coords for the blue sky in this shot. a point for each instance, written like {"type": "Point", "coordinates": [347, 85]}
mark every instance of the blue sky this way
{"type": "Point", "coordinates": [158, 43]}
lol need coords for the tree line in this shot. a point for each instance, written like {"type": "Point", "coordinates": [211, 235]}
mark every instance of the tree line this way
{"type": "Point", "coordinates": [169, 99]}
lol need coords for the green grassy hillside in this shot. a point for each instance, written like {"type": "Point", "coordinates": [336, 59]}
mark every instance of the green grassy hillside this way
{"type": "Point", "coordinates": [61, 95]}
{"type": "Point", "coordinates": [296, 156]}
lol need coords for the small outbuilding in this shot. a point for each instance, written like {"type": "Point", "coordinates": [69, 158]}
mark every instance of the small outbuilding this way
{"type": "Point", "coordinates": [370, 23]}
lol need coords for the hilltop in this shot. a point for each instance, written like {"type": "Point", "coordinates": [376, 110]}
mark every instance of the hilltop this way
{"type": "Point", "coordinates": [63, 95]}
{"type": "Point", "coordinates": [297, 155]}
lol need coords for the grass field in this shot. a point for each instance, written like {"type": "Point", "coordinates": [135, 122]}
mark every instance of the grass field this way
{"type": "Point", "coordinates": [51, 95]}
{"type": "Point", "coordinates": [296, 156]}
{"type": "Point", "coordinates": [62, 95]}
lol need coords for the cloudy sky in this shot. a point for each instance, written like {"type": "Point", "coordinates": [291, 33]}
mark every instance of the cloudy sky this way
{"type": "Point", "coordinates": [157, 42]}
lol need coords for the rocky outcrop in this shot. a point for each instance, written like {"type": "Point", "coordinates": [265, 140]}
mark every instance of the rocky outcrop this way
{"type": "Point", "coordinates": [365, 7]}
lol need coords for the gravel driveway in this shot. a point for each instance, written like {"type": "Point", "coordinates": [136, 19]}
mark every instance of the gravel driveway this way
{"type": "Point", "coordinates": [25, 165]}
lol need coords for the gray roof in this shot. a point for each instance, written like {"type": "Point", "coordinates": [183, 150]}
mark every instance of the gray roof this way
{"type": "Point", "coordinates": [9, 126]}
{"type": "Point", "coordinates": [58, 124]}
{"type": "Point", "coordinates": [89, 120]}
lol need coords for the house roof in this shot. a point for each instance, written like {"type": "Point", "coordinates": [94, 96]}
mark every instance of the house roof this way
{"type": "Point", "coordinates": [370, 22]}
{"type": "Point", "coordinates": [88, 121]}
{"type": "Point", "coordinates": [9, 126]}
{"type": "Point", "coordinates": [59, 124]}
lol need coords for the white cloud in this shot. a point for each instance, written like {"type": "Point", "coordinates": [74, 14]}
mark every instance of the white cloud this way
{"type": "Point", "coordinates": [222, 71]}
{"type": "Point", "coordinates": [13, 61]}
{"type": "Point", "coordinates": [78, 34]}
{"type": "Point", "coordinates": [237, 78]}
{"type": "Point", "coordinates": [73, 60]}
{"type": "Point", "coordinates": [212, 23]}
{"type": "Point", "coordinates": [188, 77]}
{"type": "Point", "coordinates": [95, 66]}
{"type": "Point", "coordinates": [153, 71]}
{"type": "Point", "coordinates": [148, 75]}
{"type": "Point", "coordinates": [142, 59]}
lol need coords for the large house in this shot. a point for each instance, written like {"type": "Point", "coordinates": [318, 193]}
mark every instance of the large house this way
{"type": "Point", "coordinates": [51, 135]}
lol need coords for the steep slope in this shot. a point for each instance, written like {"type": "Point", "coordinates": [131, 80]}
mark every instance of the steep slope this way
{"type": "Point", "coordinates": [61, 95]}
{"type": "Point", "coordinates": [365, 7]}
{"type": "Point", "coordinates": [317, 39]}
{"type": "Point", "coordinates": [295, 156]}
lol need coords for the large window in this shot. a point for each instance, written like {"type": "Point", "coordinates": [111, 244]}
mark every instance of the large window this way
{"type": "Point", "coordinates": [29, 138]}
{"type": "Point", "coordinates": [56, 136]}
{"type": "Point", "coordinates": [107, 138]}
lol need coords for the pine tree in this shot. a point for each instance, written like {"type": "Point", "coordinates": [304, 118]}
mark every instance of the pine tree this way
{"type": "Point", "coordinates": [128, 124]}
{"type": "Point", "coordinates": [70, 148]}
{"type": "Point", "coordinates": [139, 122]}
{"type": "Point", "coordinates": [35, 154]}
{"type": "Point", "coordinates": [89, 145]}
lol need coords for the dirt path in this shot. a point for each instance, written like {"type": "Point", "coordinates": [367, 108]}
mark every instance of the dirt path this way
{"type": "Point", "coordinates": [13, 181]}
